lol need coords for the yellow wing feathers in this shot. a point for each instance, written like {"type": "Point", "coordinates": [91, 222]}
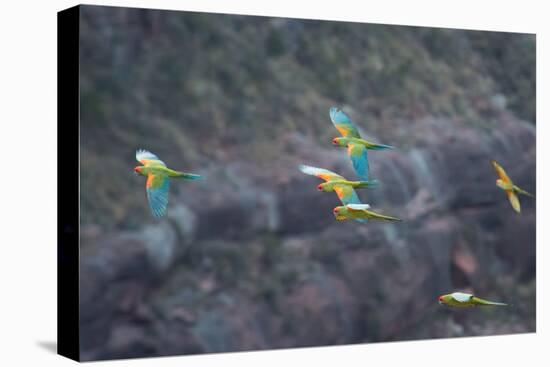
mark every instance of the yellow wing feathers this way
{"type": "Point", "coordinates": [500, 172]}
{"type": "Point", "coordinates": [514, 200]}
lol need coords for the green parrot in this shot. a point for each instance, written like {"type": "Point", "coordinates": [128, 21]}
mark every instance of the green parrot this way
{"type": "Point", "coordinates": [506, 184]}
{"type": "Point", "coordinates": [334, 182]}
{"type": "Point", "coordinates": [357, 146]}
{"type": "Point", "coordinates": [359, 211]}
{"type": "Point", "coordinates": [343, 188]}
{"type": "Point", "coordinates": [158, 180]}
{"type": "Point", "coordinates": [458, 299]}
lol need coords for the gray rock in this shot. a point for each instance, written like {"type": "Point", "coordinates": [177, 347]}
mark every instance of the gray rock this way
{"type": "Point", "coordinates": [160, 243]}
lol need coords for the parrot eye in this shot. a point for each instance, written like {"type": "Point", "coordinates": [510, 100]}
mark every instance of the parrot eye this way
{"type": "Point", "coordinates": [440, 298]}
{"type": "Point", "coordinates": [320, 188]}
{"type": "Point", "coordinates": [334, 141]}
{"type": "Point", "coordinates": [335, 210]}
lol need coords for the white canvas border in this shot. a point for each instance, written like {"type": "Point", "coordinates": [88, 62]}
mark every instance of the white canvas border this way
{"type": "Point", "coordinates": [28, 270]}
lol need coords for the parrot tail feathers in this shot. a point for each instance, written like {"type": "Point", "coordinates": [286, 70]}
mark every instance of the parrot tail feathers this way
{"type": "Point", "coordinates": [380, 147]}
{"type": "Point", "coordinates": [369, 184]}
{"type": "Point", "coordinates": [498, 304]}
{"type": "Point", "coordinates": [483, 302]}
{"type": "Point", "coordinates": [187, 176]}
{"type": "Point", "coordinates": [192, 176]}
{"type": "Point", "coordinates": [526, 193]}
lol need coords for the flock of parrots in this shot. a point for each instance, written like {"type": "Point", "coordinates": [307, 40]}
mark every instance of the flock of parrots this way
{"type": "Point", "coordinates": [158, 183]}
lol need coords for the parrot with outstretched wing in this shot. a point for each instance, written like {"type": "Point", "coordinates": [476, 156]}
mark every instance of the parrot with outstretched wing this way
{"type": "Point", "coordinates": [359, 211]}
{"type": "Point", "coordinates": [505, 183]}
{"type": "Point", "coordinates": [343, 188]}
{"type": "Point", "coordinates": [158, 180]}
{"type": "Point", "coordinates": [459, 299]}
{"type": "Point", "coordinates": [357, 147]}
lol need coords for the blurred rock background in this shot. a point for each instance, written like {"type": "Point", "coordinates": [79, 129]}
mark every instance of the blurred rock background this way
{"type": "Point", "coordinates": [251, 257]}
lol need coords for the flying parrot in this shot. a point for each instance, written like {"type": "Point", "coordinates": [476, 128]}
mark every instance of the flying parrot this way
{"type": "Point", "coordinates": [334, 182]}
{"type": "Point", "coordinates": [458, 299]}
{"type": "Point", "coordinates": [343, 188]}
{"type": "Point", "coordinates": [506, 184]}
{"type": "Point", "coordinates": [357, 147]}
{"type": "Point", "coordinates": [359, 211]}
{"type": "Point", "coordinates": [158, 180]}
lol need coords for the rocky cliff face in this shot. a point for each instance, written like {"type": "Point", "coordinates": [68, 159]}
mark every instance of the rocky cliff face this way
{"type": "Point", "coordinates": [253, 259]}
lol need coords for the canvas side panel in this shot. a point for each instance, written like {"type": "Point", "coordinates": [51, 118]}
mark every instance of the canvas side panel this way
{"type": "Point", "coordinates": [68, 182]}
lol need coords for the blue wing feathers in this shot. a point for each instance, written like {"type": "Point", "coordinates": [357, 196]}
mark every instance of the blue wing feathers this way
{"type": "Point", "coordinates": [361, 164]}
{"type": "Point", "coordinates": [338, 116]}
{"type": "Point", "coordinates": [354, 199]}
{"type": "Point", "coordinates": [158, 198]}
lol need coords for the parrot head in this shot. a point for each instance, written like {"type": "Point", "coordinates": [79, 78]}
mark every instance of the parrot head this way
{"type": "Point", "coordinates": [326, 187]}
{"type": "Point", "coordinates": [340, 142]}
{"type": "Point", "coordinates": [444, 299]}
{"type": "Point", "coordinates": [501, 184]}
{"type": "Point", "coordinates": [340, 212]}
